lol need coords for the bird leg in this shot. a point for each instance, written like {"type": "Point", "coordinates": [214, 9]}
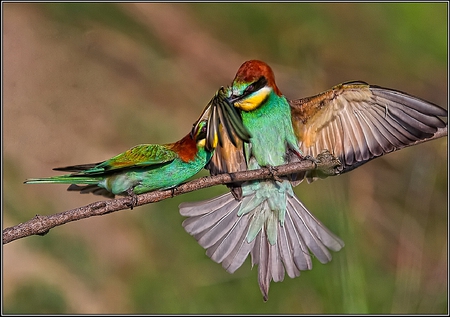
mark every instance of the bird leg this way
{"type": "Point", "coordinates": [327, 163]}
{"type": "Point", "coordinates": [274, 169]}
{"type": "Point", "coordinates": [312, 159]}
{"type": "Point", "coordinates": [173, 190]}
{"type": "Point", "coordinates": [134, 198]}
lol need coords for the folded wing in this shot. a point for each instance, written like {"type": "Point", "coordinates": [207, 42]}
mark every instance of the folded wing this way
{"type": "Point", "coordinates": [138, 156]}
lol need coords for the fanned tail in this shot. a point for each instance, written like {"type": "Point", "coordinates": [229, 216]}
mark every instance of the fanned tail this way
{"type": "Point", "coordinates": [215, 224]}
{"type": "Point", "coordinates": [301, 233]}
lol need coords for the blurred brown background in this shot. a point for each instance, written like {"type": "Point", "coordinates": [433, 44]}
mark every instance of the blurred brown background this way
{"type": "Point", "coordinates": [83, 82]}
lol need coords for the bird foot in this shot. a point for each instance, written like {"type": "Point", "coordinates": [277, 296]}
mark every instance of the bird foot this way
{"type": "Point", "coordinates": [312, 159]}
{"type": "Point", "coordinates": [327, 163]}
{"type": "Point", "coordinates": [173, 190]}
{"type": "Point", "coordinates": [134, 199]}
{"type": "Point", "coordinates": [274, 169]}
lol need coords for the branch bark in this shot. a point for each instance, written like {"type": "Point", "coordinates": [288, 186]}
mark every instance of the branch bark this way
{"type": "Point", "coordinates": [40, 225]}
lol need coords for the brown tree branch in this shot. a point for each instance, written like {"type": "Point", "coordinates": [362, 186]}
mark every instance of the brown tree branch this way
{"type": "Point", "coordinates": [41, 225]}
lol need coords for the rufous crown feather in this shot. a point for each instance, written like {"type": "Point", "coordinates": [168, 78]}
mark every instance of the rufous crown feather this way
{"type": "Point", "coordinates": [250, 71]}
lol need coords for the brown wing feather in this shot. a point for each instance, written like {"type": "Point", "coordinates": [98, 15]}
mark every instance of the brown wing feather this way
{"type": "Point", "coordinates": [228, 158]}
{"type": "Point", "coordinates": [223, 124]}
{"type": "Point", "coordinates": [357, 122]}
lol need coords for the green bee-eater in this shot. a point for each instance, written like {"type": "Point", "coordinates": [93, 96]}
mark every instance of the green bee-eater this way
{"type": "Point", "coordinates": [355, 121]}
{"type": "Point", "coordinates": [149, 167]}
{"type": "Point", "coordinates": [141, 169]}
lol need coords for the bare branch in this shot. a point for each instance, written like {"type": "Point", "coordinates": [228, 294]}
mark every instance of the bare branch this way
{"type": "Point", "coordinates": [41, 225]}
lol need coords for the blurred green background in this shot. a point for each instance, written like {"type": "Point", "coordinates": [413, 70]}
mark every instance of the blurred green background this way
{"type": "Point", "coordinates": [85, 81]}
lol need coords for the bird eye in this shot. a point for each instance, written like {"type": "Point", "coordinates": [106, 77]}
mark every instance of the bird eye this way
{"type": "Point", "coordinates": [249, 89]}
{"type": "Point", "coordinates": [260, 83]}
{"type": "Point", "coordinates": [201, 134]}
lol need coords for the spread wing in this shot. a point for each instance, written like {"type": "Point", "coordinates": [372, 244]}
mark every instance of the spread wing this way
{"type": "Point", "coordinates": [143, 155]}
{"type": "Point", "coordinates": [228, 158]}
{"type": "Point", "coordinates": [357, 122]}
{"type": "Point", "coordinates": [225, 135]}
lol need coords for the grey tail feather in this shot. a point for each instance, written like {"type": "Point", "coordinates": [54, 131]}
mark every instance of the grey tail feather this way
{"type": "Point", "coordinates": [94, 189]}
{"type": "Point", "coordinates": [216, 226]}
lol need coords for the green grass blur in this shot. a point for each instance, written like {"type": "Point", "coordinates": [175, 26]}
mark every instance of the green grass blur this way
{"type": "Point", "coordinates": [85, 81]}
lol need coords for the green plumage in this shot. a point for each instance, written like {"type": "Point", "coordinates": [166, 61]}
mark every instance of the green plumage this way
{"type": "Point", "coordinates": [272, 135]}
{"type": "Point", "coordinates": [354, 121]}
{"type": "Point", "coordinates": [268, 221]}
{"type": "Point", "coordinates": [141, 169]}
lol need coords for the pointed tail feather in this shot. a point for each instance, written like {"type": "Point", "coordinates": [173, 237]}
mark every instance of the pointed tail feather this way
{"type": "Point", "coordinates": [270, 263]}
{"type": "Point", "coordinates": [301, 231]}
{"type": "Point", "coordinates": [215, 224]}
{"type": "Point", "coordinates": [64, 179]}
{"type": "Point", "coordinates": [91, 184]}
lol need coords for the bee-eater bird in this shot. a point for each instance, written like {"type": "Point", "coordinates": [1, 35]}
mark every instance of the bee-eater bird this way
{"type": "Point", "coordinates": [354, 121]}
{"type": "Point", "coordinates": [143, 168]}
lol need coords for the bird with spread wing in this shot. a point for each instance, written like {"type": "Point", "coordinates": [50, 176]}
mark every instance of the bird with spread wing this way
{"type": "Point", "coordinates": [354, 121]}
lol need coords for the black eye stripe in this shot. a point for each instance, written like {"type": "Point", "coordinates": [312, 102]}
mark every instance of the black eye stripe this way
{"type": "Point", "coordinates": [249, 89]}
{"type": "Point", "coordinates": [260, 83]}
{"type": "Point", "coordinates": [255, 86]}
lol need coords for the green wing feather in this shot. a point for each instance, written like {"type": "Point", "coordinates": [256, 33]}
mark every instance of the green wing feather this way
{"type": "Point", "coordinates": [138, 156]}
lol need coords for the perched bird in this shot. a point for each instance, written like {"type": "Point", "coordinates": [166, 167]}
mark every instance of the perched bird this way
{"type": "Point", "coordinates": [141, 169]}
{"type": "Point", "coordinates": [354, 121]}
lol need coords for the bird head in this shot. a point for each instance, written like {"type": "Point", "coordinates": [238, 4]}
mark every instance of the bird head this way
{"type": "Point", "coordinates": [252, 85]}
{"type": "Point", "coordinates": [199, 133]}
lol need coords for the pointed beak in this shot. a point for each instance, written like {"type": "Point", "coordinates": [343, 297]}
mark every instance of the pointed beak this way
{"type": "Point", "coordinates": [232, 99]}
